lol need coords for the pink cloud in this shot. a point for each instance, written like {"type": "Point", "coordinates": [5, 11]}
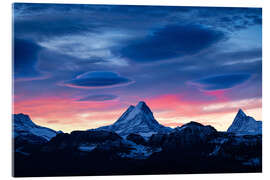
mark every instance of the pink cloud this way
{"type": "Point", "coordinates": [174, 106]}
{"type": "Point", "coordinates": [63, 110]}
{"type": "Point", "coordinates": [170, 110]}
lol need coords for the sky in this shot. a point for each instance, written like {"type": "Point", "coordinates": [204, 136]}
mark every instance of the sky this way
{"type": "Point", "coordinates": [79, 67]}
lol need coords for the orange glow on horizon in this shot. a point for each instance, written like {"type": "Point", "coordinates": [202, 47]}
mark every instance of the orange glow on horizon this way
{"type": "Point", "coordinates": [170, 110]}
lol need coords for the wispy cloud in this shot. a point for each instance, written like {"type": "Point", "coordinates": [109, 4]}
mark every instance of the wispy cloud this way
{"type": "Point", "coordinates": [72, 60]}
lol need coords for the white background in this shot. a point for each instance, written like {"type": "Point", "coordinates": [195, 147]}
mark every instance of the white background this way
{"type": "Point", "coordinates": [6, 84]}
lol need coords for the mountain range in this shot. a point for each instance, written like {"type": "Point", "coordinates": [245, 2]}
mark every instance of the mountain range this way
{"type": "Point", "coordinates": [137, 119]}
{"type": "Point", "coordinates": [136, 143]}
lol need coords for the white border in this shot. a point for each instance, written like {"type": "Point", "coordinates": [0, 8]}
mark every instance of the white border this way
{"type": "Point", "coordinates": [5, 95]}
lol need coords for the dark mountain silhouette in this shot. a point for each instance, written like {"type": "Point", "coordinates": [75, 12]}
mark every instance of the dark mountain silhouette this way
{"type": "Point", "coordinates": [136, 144]}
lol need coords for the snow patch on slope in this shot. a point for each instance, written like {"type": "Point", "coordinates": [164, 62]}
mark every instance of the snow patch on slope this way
{"type": "Point", "coordinates": [139, 151]}
{"type": "Point", "coordinates": [137, 119]}
{"type": "Point", "coordinates": [23, 125]}
{"type": "Point", "coordinates": [244, 124]}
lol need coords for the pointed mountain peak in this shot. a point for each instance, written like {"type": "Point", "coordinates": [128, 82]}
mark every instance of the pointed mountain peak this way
{"type": "Point", "coordinates": [140, 108]}
{"type": "Point", "coordinates": [143, 106]}
{"type": "Point", "coordinates": [126, 113]}
{"type": "Point", "coordinates": [241, 113]}
{"type": "Point", "coordinates": [243, 124]}
{"type": "Point", "coordinates": [138, 119]}
{"type": "Point", "coordinates": [130, 108]}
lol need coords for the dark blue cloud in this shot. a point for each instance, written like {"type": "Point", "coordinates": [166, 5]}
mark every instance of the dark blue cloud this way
{"type": "Point", "coordinates": [99, 97]}
{"type": "Point", "coordinates": [171, 41]}
{"type": "Point", "coordinates": [41, 21]}
{"type": "Point", "coordinates": [66, 32]}
{"type": "Point", "coordinates": [25, 58]}
{"type": "Point", "coordinates": [222, 81]}
{"type": "Point", "coordinates": [111, 9]}
{"type": "Point", "coordinates": [40, 28]}
{"type": "Point", "coordinates": [97, 79]}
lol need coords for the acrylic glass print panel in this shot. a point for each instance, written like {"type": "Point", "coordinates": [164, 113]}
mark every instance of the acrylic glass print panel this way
{"type": "Point", "coordinates": [109, 89]}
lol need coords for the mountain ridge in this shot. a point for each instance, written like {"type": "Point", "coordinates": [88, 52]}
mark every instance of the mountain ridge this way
{"type": "Point", "coordinates": [243, 124]}
{"type": "Point", "coordinates": [23, 125]}
{"type": "Point", "coordinates": [137, 119]}
{"type": "Point", "coordinates": [208, 149]}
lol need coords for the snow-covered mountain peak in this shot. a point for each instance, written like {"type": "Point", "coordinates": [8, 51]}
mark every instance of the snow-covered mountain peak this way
{"type": "Point", "coordinates": [23, 120]}
{"type": "Point", "coordinates": [243, 124]}
{"type": "Point", "coordinates": [141, 109]}
{"type": "Point", "coordinates": [138, 119]}
{"type": "Point", "coordinates": [142, 105]}
{"type": "Point", "coordinates": [23, 125]}
{"type": "Point", "coordinates": [241, 114]}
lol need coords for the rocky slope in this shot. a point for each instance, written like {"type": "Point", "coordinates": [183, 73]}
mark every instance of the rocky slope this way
{"type": "Point", "coordinates": [137, 144]}
{"type": "Point", "coordinates": [137, 119]}
{"type": "Point", "coordinates": [23, 125]}
{"type": "Point", "coordinates": [243, 124]}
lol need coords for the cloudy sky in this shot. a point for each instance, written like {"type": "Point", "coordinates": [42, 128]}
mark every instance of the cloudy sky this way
{"type": "Point", "coordinates": [81, 66]}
